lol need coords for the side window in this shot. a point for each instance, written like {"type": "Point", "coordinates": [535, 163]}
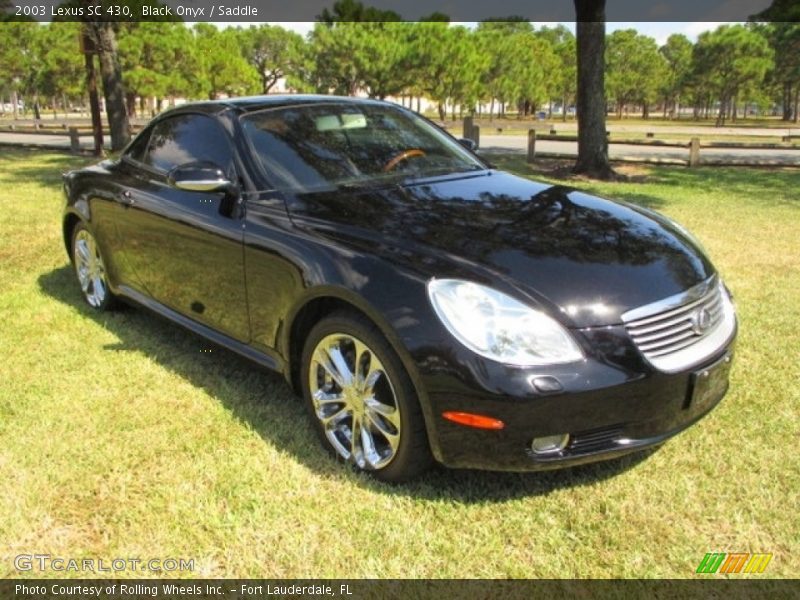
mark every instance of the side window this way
{"type": "Point", "coordinates": [139, 146]}
{"type": "Point", "coordinates": [188, 139]}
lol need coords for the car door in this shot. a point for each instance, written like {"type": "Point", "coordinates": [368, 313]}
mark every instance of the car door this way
{"type": "Point", "coordinates": [186, 247]}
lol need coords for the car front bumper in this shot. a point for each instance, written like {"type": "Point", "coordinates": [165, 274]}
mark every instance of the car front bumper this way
{"type": "Point", "coordinates": [610, 406]}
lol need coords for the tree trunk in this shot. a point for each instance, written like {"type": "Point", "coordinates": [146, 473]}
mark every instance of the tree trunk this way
{"type": "Point", "coordinates": [564, 108]}
{"type": "Point", "coordinates": [14, 104]}
{"type": "Point", "coordinates": [723, 109]}
{"type": "Point", "coordinates": [796, 104]}
{"type": "Point", "coordinates": [591, 103]}
{"type": "Point", "coordinates": [94, 102]}
{"type": "Point", "coordinates": [442, 112]}
{"type": "Point", "coordinates": [111, 75]}
{"type": "Point", "coordinates": [787, 101]}
{"type": "Point", "coordinates": [130, 103]}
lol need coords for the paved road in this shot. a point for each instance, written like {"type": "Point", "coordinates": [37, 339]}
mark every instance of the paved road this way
{"type": "Point", "coordinates": [519, 144]}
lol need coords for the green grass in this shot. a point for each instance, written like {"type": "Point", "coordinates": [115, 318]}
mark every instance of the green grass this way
{"type": "Point", "coordinates": [121, 437]}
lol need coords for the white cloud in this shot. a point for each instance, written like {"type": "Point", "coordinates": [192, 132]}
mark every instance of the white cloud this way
{"type": "Point", "coordinates": [692, 30]}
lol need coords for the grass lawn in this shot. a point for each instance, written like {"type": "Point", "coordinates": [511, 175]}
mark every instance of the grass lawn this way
{"type": "Point", "coordinates": [122, 436]}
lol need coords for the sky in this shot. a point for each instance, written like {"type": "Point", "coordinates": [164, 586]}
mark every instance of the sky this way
{"type": "Point", "coordinates": [660, 31]}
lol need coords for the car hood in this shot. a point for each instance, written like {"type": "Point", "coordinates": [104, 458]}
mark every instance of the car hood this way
{"type": "Point", "coordinates": [587, 259]}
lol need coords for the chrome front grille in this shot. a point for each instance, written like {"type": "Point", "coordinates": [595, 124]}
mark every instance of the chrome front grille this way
{"type": "Point", "coordinates": [672, 333]}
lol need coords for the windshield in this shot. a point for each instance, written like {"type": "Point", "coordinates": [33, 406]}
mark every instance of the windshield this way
{"type": "Point", "coordinates": [322, 146]}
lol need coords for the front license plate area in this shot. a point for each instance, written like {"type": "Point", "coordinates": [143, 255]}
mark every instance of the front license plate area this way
{"type": "Point", "coordinates": [709, 385]}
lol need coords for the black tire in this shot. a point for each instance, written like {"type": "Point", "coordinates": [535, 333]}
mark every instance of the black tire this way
{"type": "Point", "coordinates": [412, 455]}
{"type": "Point", "coordinates": [92, 295]}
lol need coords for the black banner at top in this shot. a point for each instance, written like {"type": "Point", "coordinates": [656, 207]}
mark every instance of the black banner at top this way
{"type": "Point", "coordinates": [379, 10]}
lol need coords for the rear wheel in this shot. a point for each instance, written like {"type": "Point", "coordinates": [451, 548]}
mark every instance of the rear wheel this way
{"type": "Point", "coordinates": [90, 269]}
{"type": "Point", "coordinates": [361, 399]}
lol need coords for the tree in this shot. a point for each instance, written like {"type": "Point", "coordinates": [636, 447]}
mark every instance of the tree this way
{"type": "Point", "coordinates": [373, 56]}
{"type": "Point", "coordinates": [731, 58]}
{"type": "Point", "coordinates": [634, 69]}
{"type": "Point", "coordinates": [677, 53]}
{"type": "Point", "coordinates": [224, 70]}
{"type": "Point", "coordinates": [272, 51]}
{"type": "Point", "coordinates": [783, 33]}
{"type": "Point", "coordinates": [61, 75]}
{"type": "Point", "coordinates": [18, 55]}
{"type": "Point", "coordinates": [332, 50]}
{"type": "Point", "coordinates": [591, 105]}
{"type": "Point", "coordinates": [383, 58]}
{"type": "Point", "coordinates": [538, 65]}
{"type": "Point", "coordinates": [159, 60]}
{"type": "Point", "coordinates": [784, 39]}
{"type": "Point", "coordinates": [104, 39]}
{"type": "Point", "coordinates": [450, 64]}
{"type": "Point", "coordinates": [562, 79]}
{"type": "Point", "coordinates": [500, 80]}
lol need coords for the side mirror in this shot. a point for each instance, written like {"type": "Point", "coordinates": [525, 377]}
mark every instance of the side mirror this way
{"type": "Point", "coordinates": [200, 178]}
{"type": "Point", "coordinates": [468, 144]}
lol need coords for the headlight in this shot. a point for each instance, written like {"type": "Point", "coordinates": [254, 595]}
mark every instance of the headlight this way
{"type": "Point", "coordinates": [498, 327]}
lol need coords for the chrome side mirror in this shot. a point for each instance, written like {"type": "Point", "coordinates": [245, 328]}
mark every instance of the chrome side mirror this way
{"type": "Point", "coordinates": [200, 178]}
{"type": "Point", "coordinates": [468, 144]}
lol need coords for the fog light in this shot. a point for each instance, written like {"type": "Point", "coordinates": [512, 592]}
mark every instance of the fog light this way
{"type": "Point", "coordinates": [550, 443]}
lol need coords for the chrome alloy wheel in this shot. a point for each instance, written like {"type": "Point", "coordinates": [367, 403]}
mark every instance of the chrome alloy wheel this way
{"type": "Point", "coordinates": [90, 269]}
{"type": "Point", "coordinates": [354, 401]}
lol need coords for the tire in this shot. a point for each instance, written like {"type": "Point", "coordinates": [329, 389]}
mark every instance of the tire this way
{"type": "Point", "coordinates": [90, 270]}
{"type": "Point", "coordinates": [378, 399]}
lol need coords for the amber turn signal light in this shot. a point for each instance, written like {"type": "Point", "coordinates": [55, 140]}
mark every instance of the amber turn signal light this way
{"type": "Point", "coordinates": [473, 420]}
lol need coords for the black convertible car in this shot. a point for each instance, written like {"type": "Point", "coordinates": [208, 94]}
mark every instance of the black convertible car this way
{"type": "Point", "coordinates": [426, 305]}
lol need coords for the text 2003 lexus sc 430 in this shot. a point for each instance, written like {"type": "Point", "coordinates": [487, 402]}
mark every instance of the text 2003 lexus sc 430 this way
{"type": "Point", "coordinates": [425, 305]}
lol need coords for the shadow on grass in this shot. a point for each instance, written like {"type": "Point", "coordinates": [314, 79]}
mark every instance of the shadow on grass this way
{"type": "Point", "coordinates": [260, 399]}
{"type": "Point", "coordinates": [41, 165]}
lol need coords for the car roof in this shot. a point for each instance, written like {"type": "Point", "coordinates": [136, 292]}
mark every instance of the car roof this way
{"type": "Point", "coordinates": [254, 103]}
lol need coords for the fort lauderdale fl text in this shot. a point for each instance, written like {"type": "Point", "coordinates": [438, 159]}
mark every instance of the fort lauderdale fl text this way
{"type": "Point", "coordinates": [141, 589]}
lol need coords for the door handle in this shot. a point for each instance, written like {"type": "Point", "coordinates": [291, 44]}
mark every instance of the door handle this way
{"type": "Point", "coordinates": [126, 198]}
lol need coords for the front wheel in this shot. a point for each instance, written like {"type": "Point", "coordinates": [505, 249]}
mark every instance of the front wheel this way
{"type": "Point", "coordinates": [361, 399]}
{"type": "Point", "coordinates": [90, 269]}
